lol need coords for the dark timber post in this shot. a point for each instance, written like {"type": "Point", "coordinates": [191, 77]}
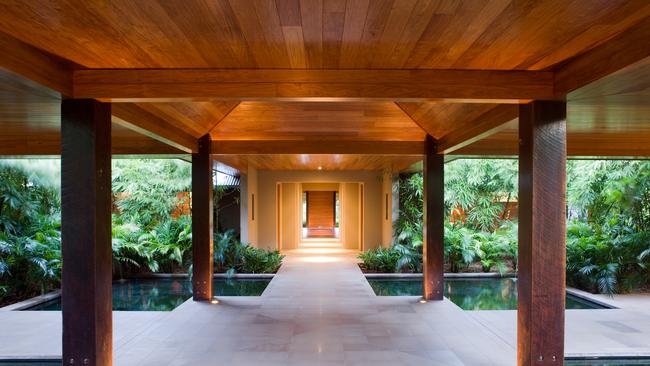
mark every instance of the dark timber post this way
{"type": "Point", "coordinates": [542, 233]}
{"type": "Point", "coordinates": [202, 221]}
{"type": "Point", "coordinates": [86, 232]}
{"type": "Point", "coordinates": [434, 210]}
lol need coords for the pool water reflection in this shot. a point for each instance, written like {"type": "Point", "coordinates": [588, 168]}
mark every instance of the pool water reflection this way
{"type": "Point", "coordinates": [165, 294]}
{"type": "Point", "coordinates": [471, 294]}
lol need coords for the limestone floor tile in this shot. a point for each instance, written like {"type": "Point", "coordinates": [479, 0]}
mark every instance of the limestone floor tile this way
{"type": "Point", "coordinates": [324, 314]}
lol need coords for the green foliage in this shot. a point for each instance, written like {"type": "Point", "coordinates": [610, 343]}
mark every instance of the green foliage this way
{"type": "Point", "coordinates": [477, 187]}
{"type": "Point", "coordinates": [145, 235]}
{"type": "Point", "coordinates": [461, 248]}
{"type": "Point", "coordinates": [147, 190]}
{"type": "Point", "coordinates": [608, 237]}
{"type": "Point", "coordinates": [30, 234]}
{"type": "Point", "coordinates": [232, 256]}
{"type": "Point", "coordinates": [380, 259]}
{"type": "Point", "coordinates": [408, 228]}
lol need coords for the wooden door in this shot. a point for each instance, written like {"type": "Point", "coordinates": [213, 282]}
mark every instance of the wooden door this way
{"type": "Point", "coordinates": [321, 213]}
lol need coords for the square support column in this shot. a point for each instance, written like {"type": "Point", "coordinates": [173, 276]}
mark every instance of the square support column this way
{"type": "Point", "coordinates": [202, 221]}
{"type": "Point", "coordinates": [434, 213]}
{"type": "Point", "coordinates": [86, 232]}
{"type": "Point", "coordinates": [542, 233]}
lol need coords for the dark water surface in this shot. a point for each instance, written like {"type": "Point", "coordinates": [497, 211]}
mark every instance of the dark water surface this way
{"type": "Point", "coordinates": [471, 294]}
{"type": "Point", "coordinates": [165, 294]}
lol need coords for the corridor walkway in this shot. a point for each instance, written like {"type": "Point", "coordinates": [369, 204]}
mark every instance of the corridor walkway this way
{"type": "Point", "coordinates": [318, 310]}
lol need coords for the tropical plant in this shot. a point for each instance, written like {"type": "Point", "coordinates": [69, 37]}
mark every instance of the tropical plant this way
{"type": "Point", "coordinates": [461, 246]}
{"type": "Point", "coordinates": [380, 259]}
{"type": "Point", "coordinates": [148, 191]}
{"type": "Point", "coordinates": [232, 256]}
{"type": "Point", "coordinates": [30, 244]}
{"type": "Point", "coordinates": [170, 244]}
{"type": "Point", "coordinates": [477, 188]}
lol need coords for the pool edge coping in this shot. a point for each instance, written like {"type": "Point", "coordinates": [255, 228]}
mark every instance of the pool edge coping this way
{"type": "Point", "coordinates": [45, 298]}
{"type": "Point", "coordinates": [31, 302]}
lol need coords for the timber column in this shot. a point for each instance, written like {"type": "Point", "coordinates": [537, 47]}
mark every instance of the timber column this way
{"type": "Point", "coordinates": [434, 212]}
{"type": "Point", "coordinates": [542, 233]}
{"type": "Point", "coordinates": [202, 219]}
{"type": "Point", "coordinates": [86, 232]}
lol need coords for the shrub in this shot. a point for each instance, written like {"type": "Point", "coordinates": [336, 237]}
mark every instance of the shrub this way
{"type": "Point", "coordinates": [232, 256]}
{"type": "Point", "coordinates": [380, 259]}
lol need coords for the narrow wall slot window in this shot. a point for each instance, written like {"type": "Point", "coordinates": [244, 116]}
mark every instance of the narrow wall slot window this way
{"type": "Point", "coordinates": [252, 206]}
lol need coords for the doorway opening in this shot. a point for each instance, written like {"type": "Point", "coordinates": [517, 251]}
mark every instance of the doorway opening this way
{"type": "Point", "coordinates": [321, 213]}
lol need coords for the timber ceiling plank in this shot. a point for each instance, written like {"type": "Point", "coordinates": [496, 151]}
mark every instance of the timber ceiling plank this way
{"type": "Point", "coordinates": [438, 119]}
{"type": "Point", "coordinates": [487, 124]}
{"type": "Point", "coordinates": [313, 161]}
{"type": "Point", "coordinates": [137, 119]}
{"type": "Point", "coordinates": [619, 52]}
{"type": "Point", "coordinates": [500, 34]}
{"type": "Point", "coordinates": [354, 121]}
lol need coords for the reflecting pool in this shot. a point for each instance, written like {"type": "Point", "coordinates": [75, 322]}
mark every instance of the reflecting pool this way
{"type": "Point", "coordinates": [471, 294]}
{"type": "Point", "coordinates": [165, 294]}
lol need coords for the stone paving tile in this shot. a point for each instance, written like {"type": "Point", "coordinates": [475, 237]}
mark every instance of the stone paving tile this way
{"type": "Point", "coordinates": [325, 314]}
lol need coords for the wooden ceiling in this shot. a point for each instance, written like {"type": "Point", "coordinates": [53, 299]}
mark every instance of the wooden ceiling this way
{"type": "Point", "coordinates": [608, 118]}
{"type": "Point", "coordinates": [315, 34]}
{"type": "Point", "coordinates": [30, 117]}
{"type": "Point", "coordinates": [379, 121]}
{"type": "Point", "coordinates": [324, 161]}
{"type": "Point", "coordinates": [341, 84]}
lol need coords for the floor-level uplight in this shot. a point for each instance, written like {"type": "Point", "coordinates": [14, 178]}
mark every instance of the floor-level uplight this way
{"type": "Point", "coordinates": [423, 301]}
{"type": "Point", "coordinates": [214, 301]}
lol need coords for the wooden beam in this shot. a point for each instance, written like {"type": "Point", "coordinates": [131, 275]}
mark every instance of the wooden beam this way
{"type": "Point", "coordinates": [202, 221]}
{"type": "Point", "coordinates": [335, 85]}
{"type": "Point", "coordinates": [50, 144]}
{"type": "Point", "coordinates": [485, 125]}
{"type": "Point", "coordinates": [613, 55]}
{"type": "Point", "coordinates": [542, 233]}
{"type": "Point", "coordinates": [27, 61]}
{"type": "Point", "coordinates": [137, 119]}
{"type": "Point", "coordinates": [86, 232]}
{"type": "Point", "coordinates": [434, 218]}
{"type": "Point", "coordinates": [318, 147]}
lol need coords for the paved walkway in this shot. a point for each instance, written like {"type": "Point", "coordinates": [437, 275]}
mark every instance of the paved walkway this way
{"type": "Point", "coordinates": [320, 310]}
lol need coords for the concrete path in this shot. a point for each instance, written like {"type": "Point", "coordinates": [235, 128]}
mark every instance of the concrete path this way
{"type": "Point", "coordinates": [320, 310]}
